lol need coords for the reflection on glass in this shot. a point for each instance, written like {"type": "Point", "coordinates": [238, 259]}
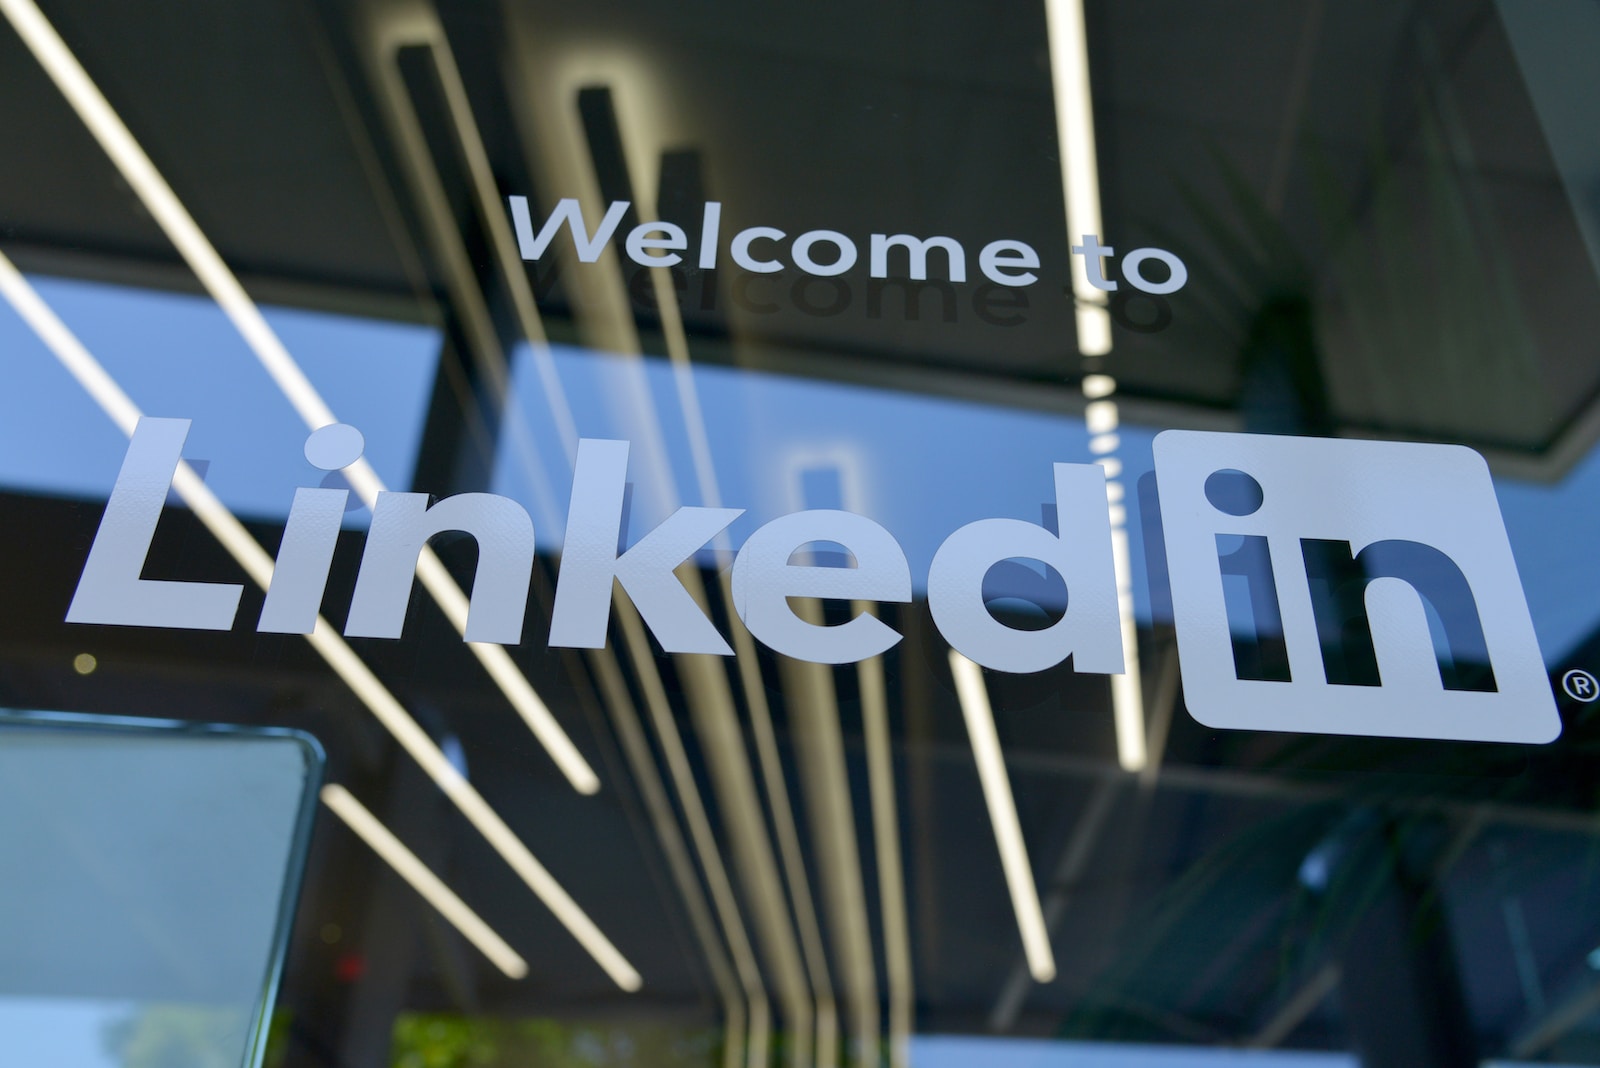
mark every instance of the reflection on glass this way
{"type": "Point", "coordinates": [147, 876]}
{"type": "Point", "coordinates": [177, 356]}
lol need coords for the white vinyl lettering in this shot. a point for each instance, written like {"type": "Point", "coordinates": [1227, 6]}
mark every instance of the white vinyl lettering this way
{"type": "Point", "coordinates": [1081, 554]}
{"type": "Point", "coordinates": [917, 251]}
{"type": "Point", "coordinates": [649, 251]}
{"type": "Point", "coordinates": [1006, 262]}
{"type": "Point", "coordinates": [589, 561]}
{"type": "Point", "coordinates": [1419, 531]}
{"type": "Point", "coordinates": [1000, 260]}
{"type": "Point", "coordinates": [740, 249]}
{"type": "Point", "coordinates": [402, 523]}
{"type": "Point", "coordinates": [804, 260]}
{"type": "Point", "coordinates": [710, 224]}
{"type": "Point", "coordinates": [567, 211]}
{"type": "Point", "coordinates": [764, 580]}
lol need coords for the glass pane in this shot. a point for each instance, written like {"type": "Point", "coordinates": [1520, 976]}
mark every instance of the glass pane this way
{"type": "Point", "coordinates": [152, 873]}
{"type": "Point", "coordinates": [842, 534]}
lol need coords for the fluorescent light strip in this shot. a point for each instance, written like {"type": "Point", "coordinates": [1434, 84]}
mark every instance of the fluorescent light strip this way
{"type": "Point", "coordinates": [1102, 419]}
{"type": "Point", "coordinates": [1096, 386]}
{"type": "Point", "coordinates": [812, 696]}
{"type": "Point", "coordinates": [420, 28]}
{"type": "Point", "coordinates": [874, 691]}
{"type": "Point", "coordinates": [1080, 172]}
{"type": "Point", "coordinates": [181, 229]}
{"type": "Point", "coordinates": [1127, 691]}
{"type": "Point", "coordinates": [227, 529]}
{"type": "Point", "coordinates": [824, 1005]}
{"type": "Point", "coordinates": [1100, 416]}
{"type": "Point", "coordinates": [701, 833]}
{"type": "Point", "coordinates": [490, 213]}
{"type": "Point", "coordinates": [423, 881]}
{"type": "Point", "coordinates": [794, 968]}
{"type": "Point", "coordinates": [607, 323]}
{"type": "Point", "coordinates": [979, 715]}
{"type": "Point", "coordinates": [613, 693]}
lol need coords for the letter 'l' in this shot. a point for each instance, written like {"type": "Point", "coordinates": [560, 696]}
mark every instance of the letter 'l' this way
{"type": "Point", "coordinates": [589, 561]}
{"type": "Point", "coordinates": [110, 590]}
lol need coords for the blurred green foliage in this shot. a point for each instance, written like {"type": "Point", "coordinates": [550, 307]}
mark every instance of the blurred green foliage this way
{"type": "Point", "coordinates": [437, 1040]}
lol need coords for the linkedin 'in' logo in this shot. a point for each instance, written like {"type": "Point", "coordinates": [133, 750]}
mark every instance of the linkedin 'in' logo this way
{"type": "Point", "coordinates": [1347, 587]}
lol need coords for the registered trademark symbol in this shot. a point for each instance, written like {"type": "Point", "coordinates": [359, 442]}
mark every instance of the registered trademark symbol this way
{"type": "Point", "coordinates": [1580, 685]}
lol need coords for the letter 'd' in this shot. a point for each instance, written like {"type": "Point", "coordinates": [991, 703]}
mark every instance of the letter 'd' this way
{"type": "Point", "coordinates": [1090, 630]}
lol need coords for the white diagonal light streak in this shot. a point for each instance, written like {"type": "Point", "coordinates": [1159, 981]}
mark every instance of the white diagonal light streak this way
{"type": "Point", "coordinates": [975, 708]}
{"type": "Point", "coordinates": [410, 868]}
{"type": "Point", "coordinates": [220, 282]}
{"type": "Point", "coordinates": [249, 554]}
{"type": "Point", "coordinates": [1080, 173]}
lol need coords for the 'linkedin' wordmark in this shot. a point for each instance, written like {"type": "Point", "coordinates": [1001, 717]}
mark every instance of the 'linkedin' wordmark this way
{"type": "Point", "coordinates": [1318, 585]}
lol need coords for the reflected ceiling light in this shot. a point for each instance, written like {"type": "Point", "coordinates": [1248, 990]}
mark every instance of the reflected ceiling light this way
{"type": "Point", "coordinates": [1080, 173]}
{"type": "Point", "coordinates": [1080, 183]}
{"type": "Point", "coordinates": [417, 25]}
{"type": "Point", "coordinates": [898, 969]}
{"type": "Point", "coordinates": [1096, 386]}
{"type": "Point", "coordinates": [1127, 691]}
{"type": "Point", "coordinates": [1101, 416]}
{"type": "Point", "coordinates": [181, 229]}
{"type": "Point", "coordinates": [325, 639]}
{"type": "Point", "coordinates": [613, 692]}
{"type": "Point", "coordinates": [606, 322]}
{"type": "Point", "coordinates": [391, 29]}
{"type": "Point", "coordinates": [1104, 443]}
{"type": "Point", "coordinates": [700, 830]}
{"type": "Point", "coordinates": [979, 715]}
{"type": "Point", "coordinates": [846, 460]}
{"type": "Point", "coordinates": [423, 881]}
{"type": "Point", "coordinates": [1102, 419]}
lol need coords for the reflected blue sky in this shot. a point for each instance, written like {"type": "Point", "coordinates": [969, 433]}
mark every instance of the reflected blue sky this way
{"type": "Point", "coordinates": [941, 1051]}
{"type": "Point", "coordinates": [924, 466]}
{"type": "Point", "coordinates": [68, 1032]}
{"type": "Point", "coordinates": [178, 356]}
{"type": "Point", "coordinates": [920, 465]}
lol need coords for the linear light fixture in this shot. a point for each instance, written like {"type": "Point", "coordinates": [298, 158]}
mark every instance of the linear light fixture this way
{"type": "Point", "coordinates": [1102, 419]}
{"type": "Point", "coordinates": [898, 971]}
{"type": "Point", "coordinates": [1080, 173]}
{"type": "Point", "coordinates": [1080, 184]}
{"type": "Point", "coordinates": [179, 226]}
{"type": "Point", "coordinates": [1127, 689]}
{"type": "Point", "coordinates": [325, 639]}
{"type": "Point", "coordinates": [608, 324]}
{"type": "Point", "coordinates": [739, 979]}
{"type": "Point", "coordinates": [979, 715]}
{"type": "Point", "coordinates": [700, 830]}
{"type": "Point", "coordinates": [423, 881]}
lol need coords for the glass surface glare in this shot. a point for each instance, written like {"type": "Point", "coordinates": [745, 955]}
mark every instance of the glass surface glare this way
{"type": "Point", "coordinates": [585, 312]}
{"type": "Point", "coordinates": [150, 869]}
